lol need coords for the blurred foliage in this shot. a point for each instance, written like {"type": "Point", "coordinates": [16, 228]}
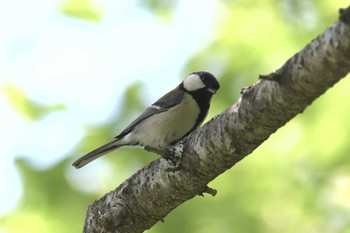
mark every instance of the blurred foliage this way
{"type": "Point", "coordinates": [49, 203]}
{"type": "Point", "coordinates": [162, 9]}
{"type": "Point", "coordinates": [297, 181]}
{"type": "Point", "coordinates": [82, 9]}
{"type": "Point", "coordinates": [26, 107]}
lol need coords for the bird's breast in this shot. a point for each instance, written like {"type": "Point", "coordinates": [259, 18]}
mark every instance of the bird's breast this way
{"type": "Point", "coordinates": [164, 128]}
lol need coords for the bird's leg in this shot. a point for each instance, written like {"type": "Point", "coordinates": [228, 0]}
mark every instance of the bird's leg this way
{"type": "Point", "coordinates": [172, 154]}
{"type": "Point", "coordinates": [165, 153]}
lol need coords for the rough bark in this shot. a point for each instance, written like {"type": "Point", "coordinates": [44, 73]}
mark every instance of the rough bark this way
{"type": "Point", "coordinates": [150, 194]}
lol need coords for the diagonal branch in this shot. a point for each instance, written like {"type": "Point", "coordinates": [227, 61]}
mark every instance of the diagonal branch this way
{"type": "Point", "coordinates": [150, 194]}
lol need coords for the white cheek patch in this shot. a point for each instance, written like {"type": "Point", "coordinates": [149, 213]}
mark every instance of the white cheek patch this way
{"type": "Point", "coordinates": [193, 82]}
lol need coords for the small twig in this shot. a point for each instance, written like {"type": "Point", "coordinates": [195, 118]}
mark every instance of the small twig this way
{"type": "Point", "coordinates": [209, 190]}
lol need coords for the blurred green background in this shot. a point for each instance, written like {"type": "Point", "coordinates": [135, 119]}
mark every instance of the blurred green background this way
{"type": "Point", "coordinates": [75, 72]}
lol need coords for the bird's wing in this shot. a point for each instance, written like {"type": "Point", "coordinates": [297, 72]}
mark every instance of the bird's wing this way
{"type": "Point", "coordinates": [166, 102]}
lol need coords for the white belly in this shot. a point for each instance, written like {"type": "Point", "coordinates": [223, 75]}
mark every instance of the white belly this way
{"type": "Point", "coordinates": [162, 129]}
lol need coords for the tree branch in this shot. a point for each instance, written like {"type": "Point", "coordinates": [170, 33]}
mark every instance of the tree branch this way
{"type": "Point", "coordinates": [150, 194]}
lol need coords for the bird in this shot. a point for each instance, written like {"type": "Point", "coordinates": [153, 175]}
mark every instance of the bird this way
{"type": "Point", "coordinates": [171, 118]}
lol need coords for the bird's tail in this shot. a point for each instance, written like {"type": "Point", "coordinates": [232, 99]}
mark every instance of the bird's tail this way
{"type": "Point", "coordinates": [96, 154]}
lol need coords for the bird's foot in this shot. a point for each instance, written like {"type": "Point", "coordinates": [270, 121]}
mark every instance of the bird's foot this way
{"type": "Point", "coordinates": [173, 154]}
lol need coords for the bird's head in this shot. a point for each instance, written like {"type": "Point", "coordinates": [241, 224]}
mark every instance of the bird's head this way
{"type": "Point", "coordinates": [201, 80]}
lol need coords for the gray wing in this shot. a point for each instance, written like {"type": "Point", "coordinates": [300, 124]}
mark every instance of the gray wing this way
{"type": "Point", "coordinates": [167, 101]}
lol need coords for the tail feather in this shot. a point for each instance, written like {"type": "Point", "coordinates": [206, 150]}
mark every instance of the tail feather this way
{"type": "Point", "coordinates": [96, 154]}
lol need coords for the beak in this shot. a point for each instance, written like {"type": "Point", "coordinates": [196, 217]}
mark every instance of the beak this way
{"type": "Point", "coordinates": [211, 90]}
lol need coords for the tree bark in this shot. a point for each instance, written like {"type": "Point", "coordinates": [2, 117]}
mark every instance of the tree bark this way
{"type": "Point", "coordinates": [150, 194]}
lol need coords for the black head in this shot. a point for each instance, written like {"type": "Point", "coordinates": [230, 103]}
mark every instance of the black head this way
{"type": "Point", "coordinates": [201, 81]}
{"type": "Point", "coordinates": [201, 86]}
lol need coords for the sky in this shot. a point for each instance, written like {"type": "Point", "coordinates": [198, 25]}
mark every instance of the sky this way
{"type": "Point", "coordinates": [87, 66]}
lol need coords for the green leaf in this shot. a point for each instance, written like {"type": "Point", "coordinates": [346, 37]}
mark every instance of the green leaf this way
{"type": "Point", "coordinates": [163, 9]}
{"type": "Point", "coordinates": [83, 9]}
{"type": "Point", "coordinates": [27, 107]}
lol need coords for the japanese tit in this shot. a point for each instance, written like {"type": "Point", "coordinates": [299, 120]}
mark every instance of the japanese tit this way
{"type": "Point", "coordinates": [168, 120]}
